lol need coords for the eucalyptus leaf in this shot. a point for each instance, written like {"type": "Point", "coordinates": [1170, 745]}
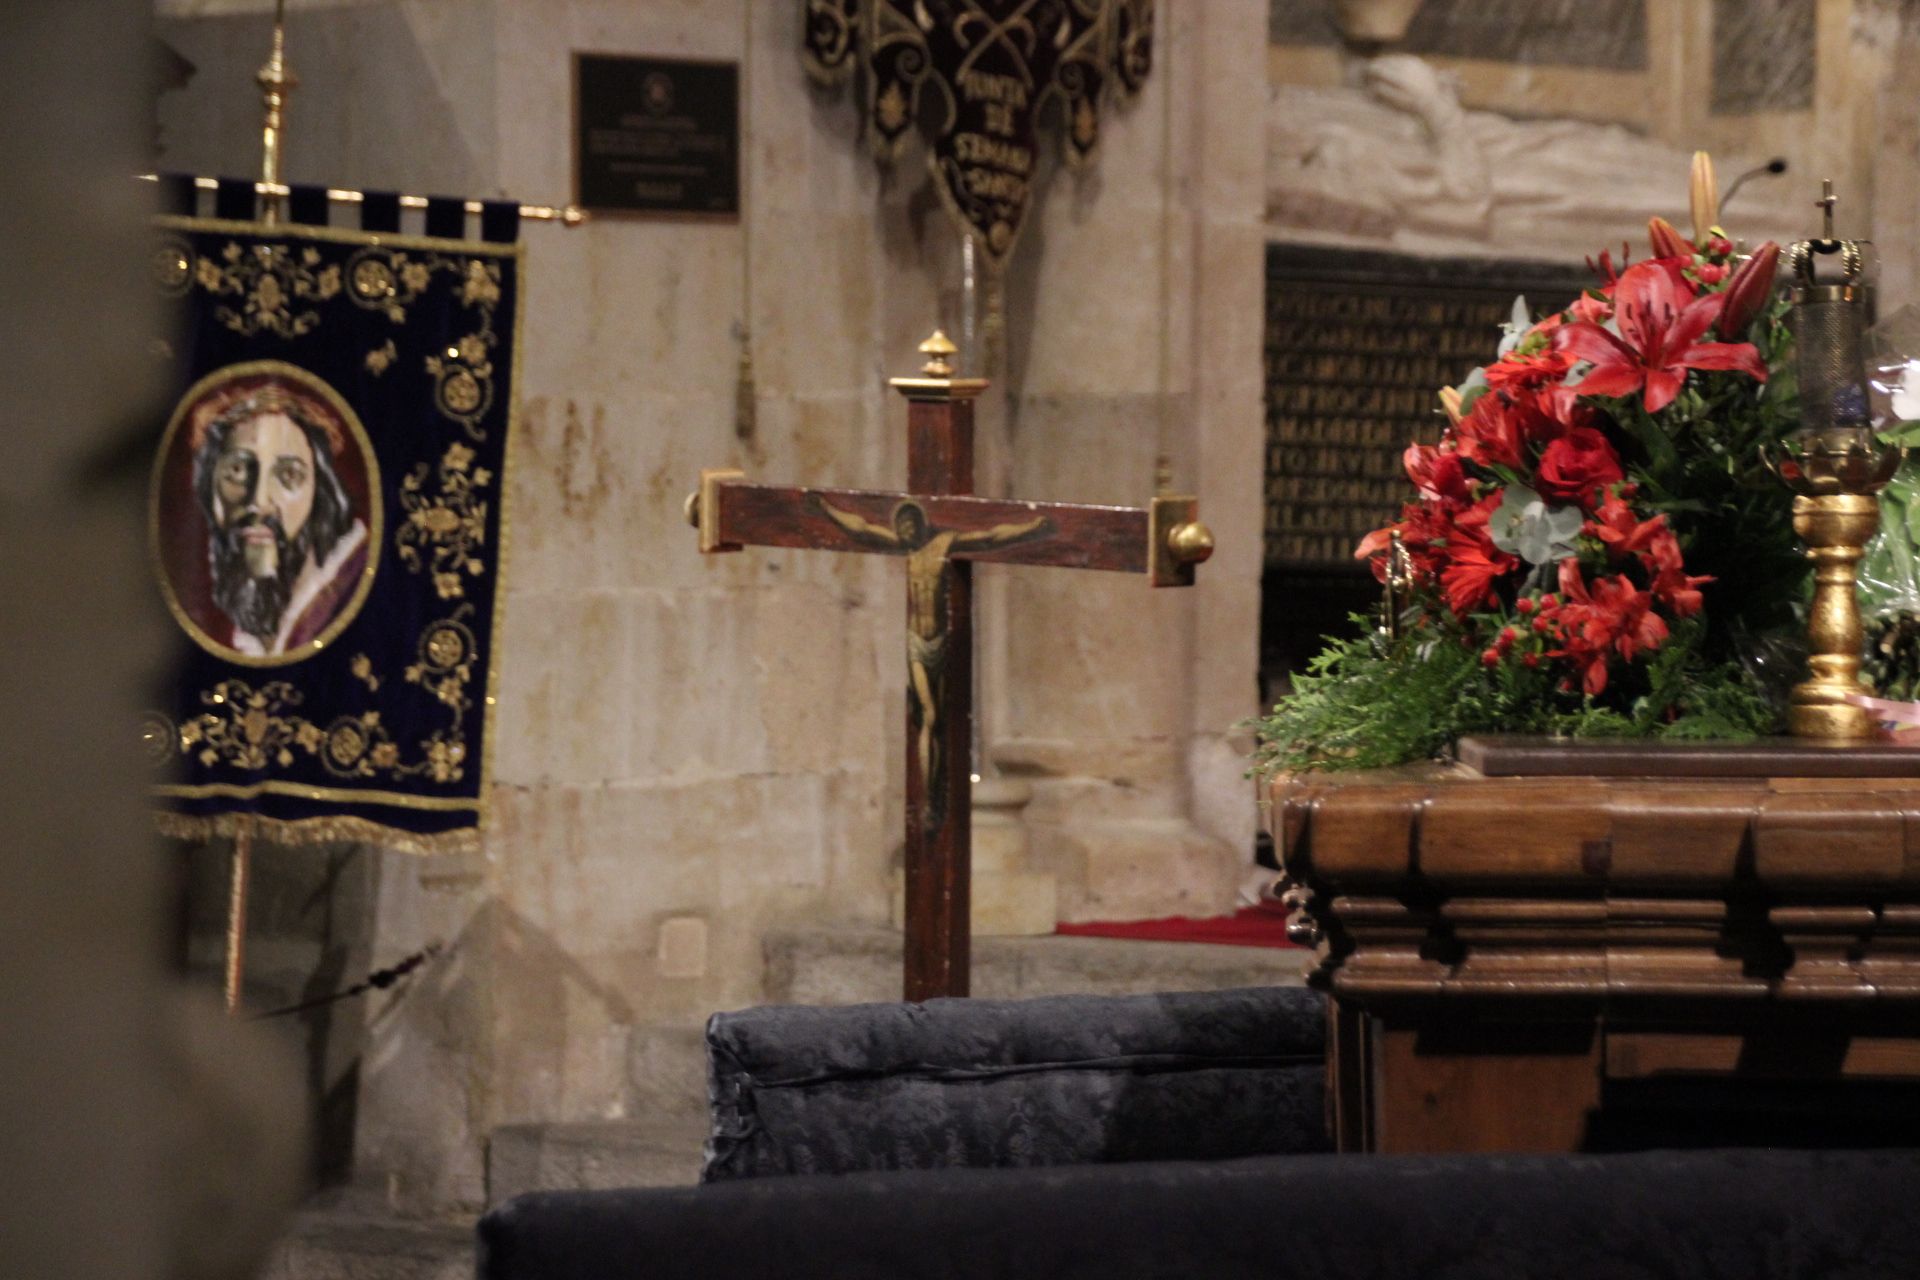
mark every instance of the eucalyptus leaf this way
{"type": "Point", "coordinates": [1525, 525]}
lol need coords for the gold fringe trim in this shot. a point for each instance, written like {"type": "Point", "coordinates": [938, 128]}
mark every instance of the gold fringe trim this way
{"type": "Point", "coordinates": [181, 826]}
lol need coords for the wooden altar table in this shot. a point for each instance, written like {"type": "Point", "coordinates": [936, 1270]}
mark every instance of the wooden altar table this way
{"type": "Point", "coordinates": [1581, 945]}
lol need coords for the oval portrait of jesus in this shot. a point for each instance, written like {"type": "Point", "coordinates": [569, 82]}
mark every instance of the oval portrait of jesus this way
{"type": "Point", "coordinates": [266, 513]}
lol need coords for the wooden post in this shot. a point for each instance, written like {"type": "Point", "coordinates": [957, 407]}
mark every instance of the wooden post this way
{"type": "Point", "coordinates": [939, 853]}
{"type": "Point", "coordinates": [237, 886]}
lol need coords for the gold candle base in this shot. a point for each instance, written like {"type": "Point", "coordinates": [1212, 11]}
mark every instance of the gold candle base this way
{"type": "Point", "coordinates": [1835, 527]}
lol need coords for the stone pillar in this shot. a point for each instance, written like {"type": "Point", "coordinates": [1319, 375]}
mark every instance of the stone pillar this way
{"type": "Point", "coordinates": [1134, 325]}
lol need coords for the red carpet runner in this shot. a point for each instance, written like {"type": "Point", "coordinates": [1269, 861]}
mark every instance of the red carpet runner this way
{"type": "Point", "coordinates": [1261, 926]}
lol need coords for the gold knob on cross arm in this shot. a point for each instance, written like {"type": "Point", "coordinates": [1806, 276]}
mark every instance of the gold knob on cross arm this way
{"type": "Point", "coordinates": [1190, 542]}
{"type": "Point", "coordinates": [693, 509]}
{"type": "Point", "coordinates": [1176, 540]}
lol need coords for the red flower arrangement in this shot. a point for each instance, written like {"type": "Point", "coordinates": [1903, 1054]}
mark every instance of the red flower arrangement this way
{"type": "Point", "coordinates": [1594, 545]}
{"type": "Point", "coordinates": [1528, 541]}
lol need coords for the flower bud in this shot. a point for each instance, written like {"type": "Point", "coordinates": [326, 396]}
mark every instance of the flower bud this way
{"type": "Point", "coordinates": [1703, 197]}
{"type": "Point", "coordinates": [1748, 290]}
{"type": "Point", "coordinates": [1489, 659]}
{"type": "Point", "coordinates": [1667, 242]}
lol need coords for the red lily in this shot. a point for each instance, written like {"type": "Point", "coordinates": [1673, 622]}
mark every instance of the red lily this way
{"type": "Point", "coordinates": [1492, 434]}
{"type": "Point", "coordinates": [1613, 616]}
{"type": "Point", "coordinates": [1660, 330]}
{"type": "Point", "coordinates": [1673, 586]}
{"type": "Point", "coordinates": [1533, 362]}
{"type": "Point", "coordinates": [1624, 533]}
{"type": "Point", "coordinates": [1605, 269]}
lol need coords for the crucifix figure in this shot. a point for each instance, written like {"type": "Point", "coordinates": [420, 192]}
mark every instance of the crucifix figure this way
{"type": "Point", "coordinates": [928, 575]}
{"type": "Point", "coordinates": [940, 529]}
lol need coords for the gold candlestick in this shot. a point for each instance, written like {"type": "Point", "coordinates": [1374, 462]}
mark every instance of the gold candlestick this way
{"type": "Point", "coordinates": [1835, 528]}
{"type": "Point", "coordinates": [1836, 464]}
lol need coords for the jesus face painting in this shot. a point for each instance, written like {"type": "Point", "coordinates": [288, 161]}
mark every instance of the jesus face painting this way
{"type": "Point", "coordinates": [268, 472]}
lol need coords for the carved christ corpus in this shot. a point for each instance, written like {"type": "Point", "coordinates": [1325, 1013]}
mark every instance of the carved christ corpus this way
{"type": "Point", "coordinates": [940, 528]}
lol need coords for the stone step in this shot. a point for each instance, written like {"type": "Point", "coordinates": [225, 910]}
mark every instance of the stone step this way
{"type": "Point", "coordinates": [855, 965]}
{"type": "Point", "coordinates": [594, 1155]}
{"type": "Point", "coordinates": [329, 1245]}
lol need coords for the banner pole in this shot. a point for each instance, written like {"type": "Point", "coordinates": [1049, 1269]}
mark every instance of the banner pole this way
{"type": "Point", "coordinates": [237, 916]}
{"type": "Point", "coordinates": [277, 83]}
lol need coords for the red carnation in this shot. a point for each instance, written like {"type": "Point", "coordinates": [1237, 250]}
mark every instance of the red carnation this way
{"type": "Point", "coordinates": [1438, 474]}
{"type": "Point", "coordinates": [1576, 464]}
{"type": "Point", "coordinates": [1473, 563]}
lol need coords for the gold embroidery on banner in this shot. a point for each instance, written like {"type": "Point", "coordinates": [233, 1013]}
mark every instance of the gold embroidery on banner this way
{"type": "Point", "coordinates": [270, 280]}
{"type": "Point", "coordinates": [256, 729]}
{"type": "Point", "coordinates": [463, 378]}
{"type": "Point", "coordinates": [362, 668]}
{"type": "Point", "coordinates": [443, 531]}
{"type": "Point", "coordinates": [381, 358]}
{"type": "Point", "coordinates": [392, 280]}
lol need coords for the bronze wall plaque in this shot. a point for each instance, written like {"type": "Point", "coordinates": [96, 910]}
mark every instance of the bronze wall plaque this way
{"type": "Point", "coordinates": [656, 135]}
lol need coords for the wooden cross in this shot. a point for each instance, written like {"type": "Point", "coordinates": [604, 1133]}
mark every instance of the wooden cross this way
{"type": "Point", "coordinates": [940, 528]}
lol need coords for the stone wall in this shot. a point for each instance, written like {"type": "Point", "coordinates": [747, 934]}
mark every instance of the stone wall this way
{"type": "Point", "coordinates": [1581, 140]}
{"type": "Point", "coordinates": [694, 751]}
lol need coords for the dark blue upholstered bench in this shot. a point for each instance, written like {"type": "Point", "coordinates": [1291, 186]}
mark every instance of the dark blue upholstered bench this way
{"type": "Point", "coordinates": [1696, 1215]}
{"type": "Point", "coordinates": [1012, 1083]}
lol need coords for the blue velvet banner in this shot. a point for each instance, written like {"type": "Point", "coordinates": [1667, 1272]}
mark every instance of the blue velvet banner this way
{"type": "Point", "coordinates": [327, 519]}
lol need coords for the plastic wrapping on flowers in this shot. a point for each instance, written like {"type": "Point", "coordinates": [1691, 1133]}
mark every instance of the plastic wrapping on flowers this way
{"type": "Point", "coordinates": [1890, 573]}
{"type": "Point", "coordinates": [1596, 546]}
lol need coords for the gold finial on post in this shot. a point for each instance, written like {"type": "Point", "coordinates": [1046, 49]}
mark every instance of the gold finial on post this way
{"type": "Point", "coordinates": [937, 380]}
{"type": "Point", "coordinates": [277, 83]}
{"type": "Point", "coordinates": [939, 350]}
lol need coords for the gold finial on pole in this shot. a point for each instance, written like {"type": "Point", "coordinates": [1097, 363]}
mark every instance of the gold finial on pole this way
{"type": "Point", "coordinates": [937, 380]}
{"type": "Point", "coordinates": [1825, 203]}
{"type": "Point", "coordinates": [277, 83]}
{"type": "Point", "coordinates": [939, 350]}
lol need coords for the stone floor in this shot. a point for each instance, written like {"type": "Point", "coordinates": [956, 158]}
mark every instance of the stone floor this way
{"type": "Point", "coordinates": [347, 1238]}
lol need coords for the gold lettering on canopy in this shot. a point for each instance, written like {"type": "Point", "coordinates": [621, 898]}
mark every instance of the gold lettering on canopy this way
{"type": "Point", "coordinates": [980, 73]}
